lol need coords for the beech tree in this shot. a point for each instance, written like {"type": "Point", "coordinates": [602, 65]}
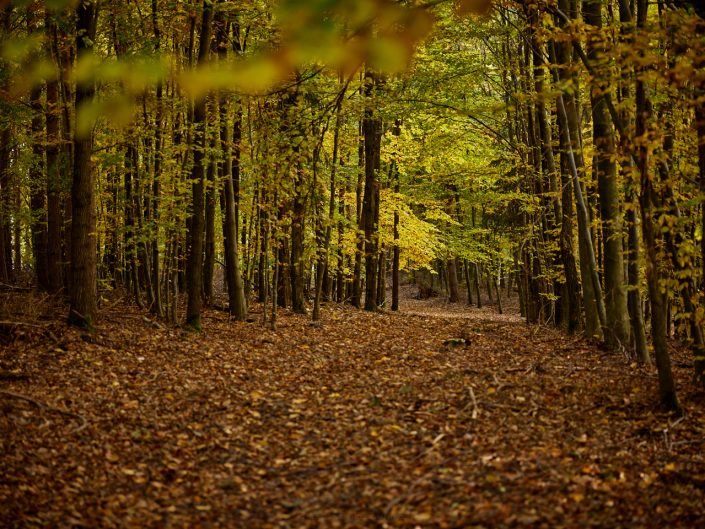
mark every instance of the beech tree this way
{"type": "Point", "coordinates": [83, 286]}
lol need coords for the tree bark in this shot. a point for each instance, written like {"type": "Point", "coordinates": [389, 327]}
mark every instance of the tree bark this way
{"type": "Point", "coordinates": [569, 130]}
{"type": "Point", "coordinates": [667, 387]}
{"type": "Point", "coordinates": [194, 265]}
{"type": "Point", "coordinates": [370, 204]}
{"type": "Point", "coordinates": [53, 155]}
{"type": "Point", "coordinates": [156, 183]}
{"type": "Point", "coordinates": [229, 171]}
{"type": "Point", "coordinates": [83, 292]}
{"type": "Point", "coordinates": [323, 262]}
{"type": "Point", "coordinates": [296, 264]}
{"type": "Point", "coordinates": [453, 288]}
{"type": "Point", "coordinates": [40, 236]}
{"type": "Point", "coordinates": [616, 330]}
{"type": "Point", "coordinates": [210, 201]}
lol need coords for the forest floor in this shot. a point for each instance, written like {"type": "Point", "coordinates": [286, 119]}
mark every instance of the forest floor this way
{"type": "Point", "coordinates": [437, 416]}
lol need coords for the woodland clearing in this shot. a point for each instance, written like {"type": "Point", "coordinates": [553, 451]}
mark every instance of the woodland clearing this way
{"type": "Point", "coordinates": [430, 417]}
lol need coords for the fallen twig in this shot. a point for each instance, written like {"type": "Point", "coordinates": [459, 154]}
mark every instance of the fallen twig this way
{"type": "Point", "coordinates": [474, 403]}
{"type": "Point", "coordinates": [13, 288]}
{"type": "Point", "coordinates": [12, 324]}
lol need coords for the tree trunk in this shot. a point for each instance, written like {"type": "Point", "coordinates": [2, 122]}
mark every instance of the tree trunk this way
{"type": "Point", "coordinates": [453, 289]}
{"type": "Point", "coordinates": [229, 172]}
{"type": "Point", "coordinates": [156, 183]}
{"type": "Point", "coordinates": [211, 192]}
{"type": "Point", "coordinates": [667, 387]}
{"type": "Point", "coordinates": [476, 278]}
{"type": "Point", "coordinates": [568, 125]}
{"type": "Point", "coordinates": [372, 129]}
{"type": "Point", "coordinates": [616, 330]}
{"type": "Point", "coordinates": [323, 262]}
{"type": "Point", "coordinates": [381, 277]}
{"type": "Point", "coordinates": [38, 184]}
{"type": "Point", "coordinates": [53, 154]}
{"type": "Point", "coordinates": [468, 282]}
{"type": "Point", "coordinates": [5, 255]}
{"type": "Point", "coordinates": [194, 265]}
{"type": "Point", "coordinates": [131, 212]}
{"type": "Point", "coordinates": [83, 292]}
{"type": "Point", "coordinates": [296, 265]}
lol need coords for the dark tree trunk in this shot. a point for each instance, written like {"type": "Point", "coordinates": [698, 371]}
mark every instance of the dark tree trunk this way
{"type": "Point", "coordinates": [569, 128]}
{"type": "Point", "coordinates": [356, 291]}
{"type": "Point", "coordinates": [156, 183]}
{"type": "Point", "coordinates": [263, 251]}
{"type": "Point", "coordinates": [476, 277]}
{"type": "Point", "coordinates": [667, 387]}
{"type": "Point", "coordinates": [131, 213]}
{"type": "Point", "coordinates": [210, 201]}
{"type": "Point", "coordinates": [323, 262]}
{"type": "Point", "coordinates": [340, 277]}
{"type": "Point", "coordinates": [468, 281]}
{"type": "Point", "coordinates": [296, 265]}
{"type": "Point", "coordinates": [83, 292]}
{"type": "Point", "coordinates": [5, 255]}
{"type": "Point", "coordinates": [40, 235]}
{"type": "Point", "coordinates": [381, 278]}
{"type": "Point", "coordinates": [230, 173]}
{"type": "Point", "coordinates": [53, 160]}
{"type": "Point", "coordinates": [453, 288]}
{"type": "Point", "coordinates": [616, 331]}
{"type": "Point", "coordinates": [194, 265]}
{"type": "Point", "coordinates": [5, 138]}
{"type": "Point", "coordinates": [372, 128]}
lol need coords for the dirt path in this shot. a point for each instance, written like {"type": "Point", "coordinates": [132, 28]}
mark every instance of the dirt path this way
{"type": "Point", "coordinates": [368, 420]}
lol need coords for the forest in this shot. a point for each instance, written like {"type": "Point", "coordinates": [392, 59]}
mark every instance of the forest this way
{"type": "Point", "coordinates": [352, 263]}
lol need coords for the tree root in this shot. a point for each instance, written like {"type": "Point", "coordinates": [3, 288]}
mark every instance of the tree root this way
{"type": "Point", "coordinates": [42, 406]}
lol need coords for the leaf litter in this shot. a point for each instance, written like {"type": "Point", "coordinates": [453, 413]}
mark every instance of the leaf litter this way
{"type": "Point", "coordinates": [438, 416]}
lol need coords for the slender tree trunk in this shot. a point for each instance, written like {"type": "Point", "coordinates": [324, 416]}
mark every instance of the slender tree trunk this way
{"type": "Point", "coordinates": [230, 170]}
{"type": "Point", "coordinates": [548, 164]}
{"type": "Point", "coordinates": [275, 281]}
{"type": "Point", "coordinates": [38, 182]}
{"type": "Point", "coordinates": [571, 295]}
{"type": "Point", "coordinates": [323, 262]}
{"type": "Point", "coordinates": [468, 282]}
{"type": "Point", "coordinates": [568, 125]}
{"type": "Point", "coordinates": [194, 266]}
{"type": "Point", "coordinates": [476, 277]}
{"type": "Point", "coordinates": [40, 235]}
{"type": "Point", "coordinates": [131, 212]}
{"type": "Point", "coordinates": [616, 330]}
{"type": "Point", "coordinates": [53, 153]}
{"type": "Point", "coordinates": [453, 289]}
{"type": "Point", "coordinates": [496, 282]}
{"type": "Point", "coordinates": [667, 387]}
{"type": "Point", "coordinates": [210, 201]}
{"type": "Point", "coordinates": [340, 277]}
{"type": "Point", "coordinates": [395, 253]}
{"type": "Point", "coordinates": [372, 132]}
{"type": "Point", "coordinates": [156, 183]}
{"type": "Point", "coordinates": [5, 142]}
{"type": "Point", "coordinates": [356, 295]}
{"type": "Point", "coordinates": [5, 255]}
{"type": "Point", "coordinates": [296, 265]}
{"type": "Point", "coordinates": [382, 277]}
